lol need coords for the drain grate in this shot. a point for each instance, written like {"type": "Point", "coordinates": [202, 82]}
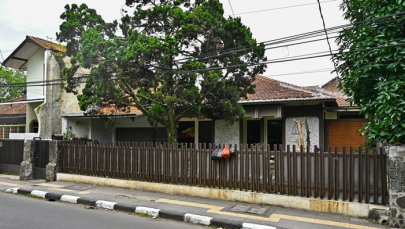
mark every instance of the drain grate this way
{"type": "Point", "coordinates": [79, 187]}
{"type": "Point", "coordinates": [264, 211]}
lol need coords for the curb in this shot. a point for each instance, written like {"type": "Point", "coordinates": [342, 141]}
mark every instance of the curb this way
{"type": "Point", "coordinates": [151, 212]}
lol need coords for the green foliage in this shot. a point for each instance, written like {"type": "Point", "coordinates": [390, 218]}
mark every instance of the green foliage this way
{"type": "Point", "coordinates": [10, 76]}
{"type": "Point", "coordinates": [374, 77]}
{"type": "Point", "coordinates": [151, 59]}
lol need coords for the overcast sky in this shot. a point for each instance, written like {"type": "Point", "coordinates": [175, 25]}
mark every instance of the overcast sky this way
{"type": "Point", "coordinates": [40, 18]}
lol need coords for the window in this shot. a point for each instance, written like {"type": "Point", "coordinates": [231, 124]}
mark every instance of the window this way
{"type": "Point", "coordinates": [5, 130]}
{"type": "Point", "coordinates": [34, 127]}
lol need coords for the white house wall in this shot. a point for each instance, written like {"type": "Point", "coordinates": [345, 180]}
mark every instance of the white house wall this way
{"type": "Point", "coordinates": [226, 132]}
{"type": "Point", "coordinates": [35, 72]}
{"type": "Point", "coordinates": [291, 130]}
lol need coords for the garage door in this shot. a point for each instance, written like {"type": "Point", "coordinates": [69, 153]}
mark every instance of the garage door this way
{"type": "Point", "coordinates": [141, 134]}
{"type": "Point", "coordinates": [345, 133]}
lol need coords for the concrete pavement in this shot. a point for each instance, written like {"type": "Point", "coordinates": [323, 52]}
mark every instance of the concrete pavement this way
{"type": "Point", "coordinates": [226, 210]}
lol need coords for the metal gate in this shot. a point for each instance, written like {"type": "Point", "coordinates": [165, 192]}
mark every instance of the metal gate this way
{"type": "Point", "coordinates": [41, 159]}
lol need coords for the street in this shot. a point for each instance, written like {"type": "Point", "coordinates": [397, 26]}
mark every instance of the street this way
{"type": "Point", "coordinates": [20, 212]}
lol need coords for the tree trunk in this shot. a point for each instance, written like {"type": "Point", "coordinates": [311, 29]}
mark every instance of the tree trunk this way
{"type": "Point", "coordinates": [171, 126]}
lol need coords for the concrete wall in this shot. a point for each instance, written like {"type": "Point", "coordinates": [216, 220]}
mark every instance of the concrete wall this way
{"type": "Point", "coordinates": [79, 127]}
{"type": "Point", "coordinates": [70, 104]}
{"type": "Point", "coordinates": [297, 111]}
{"type": "Point", "coordinates": [23, 136]}
{"type": "Point", "coordinates": [49, 113]}
{"type": "Point", "coordinates": [35, 72]}
{"type": "Point", "coordinates": [291, 130]}
{"type": "Point", "coordinates": [30, 115]}
{"type": "Point", "coordinates": [226, 132]}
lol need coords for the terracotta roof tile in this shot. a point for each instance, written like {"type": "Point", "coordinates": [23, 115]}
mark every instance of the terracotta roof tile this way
{"type": "Point", "coordinates": [47, 44]}
{"type": "Point", "coordinates": [114, 110]}
{"type": "Point", "coordinates": [13, 109]}
{"type": "Point", "coordinates": [268, 89]}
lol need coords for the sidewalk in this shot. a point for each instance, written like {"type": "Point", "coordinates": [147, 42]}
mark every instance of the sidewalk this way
{"type": "Point", "coordinates": [221, 211]}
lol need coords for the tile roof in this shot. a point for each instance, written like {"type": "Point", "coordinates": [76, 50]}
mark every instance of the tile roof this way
{"type": "Point", "coordinates": [271, 90]}
{"type": "Point", "coordinates": [267, 91]}
{"type": "Point", "coordinates": [47, 44]}
{"type": "Point", "coordinates": [112, 109]}
{"type": "Point", "coordinates": [13, 109]}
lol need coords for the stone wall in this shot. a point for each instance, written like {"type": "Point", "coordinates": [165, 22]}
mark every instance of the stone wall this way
{"type": "Point", "coordinates": [396, 185]}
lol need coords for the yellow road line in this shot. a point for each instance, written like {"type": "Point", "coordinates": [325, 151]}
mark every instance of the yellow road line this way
{"type": "Point", "coordinates": [272, 218]}
{"type": "Point", "coordinates": [13, 177]}
{"type": "Point", "coordinates": [12, 184]}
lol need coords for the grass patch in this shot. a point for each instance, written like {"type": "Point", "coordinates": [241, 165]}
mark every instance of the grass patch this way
{"type": "Point", "coordinates": [34, 197]}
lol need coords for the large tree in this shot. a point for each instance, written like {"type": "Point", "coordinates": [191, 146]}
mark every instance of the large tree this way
{"type": "Point", "coordinates": [12, 84]}
{"type": "Point", "coordinates": [169, 58]}
{"type": "Point", "coordinates": [372, 63]}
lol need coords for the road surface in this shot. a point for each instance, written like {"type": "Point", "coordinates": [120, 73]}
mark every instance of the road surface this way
{"type": "Point", "coordinates": [21, 212]}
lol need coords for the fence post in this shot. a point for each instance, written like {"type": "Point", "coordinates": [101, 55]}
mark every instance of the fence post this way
{"type": "Point", "coordinates": [396, 185]}
{"type": "Point", "coordinates": [27, 165]}
{"type": "Point", "coordinates": [53, 165]}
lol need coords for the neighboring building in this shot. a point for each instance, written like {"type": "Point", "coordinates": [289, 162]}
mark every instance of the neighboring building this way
{"type": "Point", "coordinates": [45, 96]}
{"type": "Point", "coordinates": [12, 119]}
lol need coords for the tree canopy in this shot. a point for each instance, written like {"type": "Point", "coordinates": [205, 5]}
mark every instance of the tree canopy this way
{"type": "Point", "coordinates": [169, 58]}
{"type": "Point", "coordinates": [372, 63]}
{"type": "Point", "coordinates": [14, 78]}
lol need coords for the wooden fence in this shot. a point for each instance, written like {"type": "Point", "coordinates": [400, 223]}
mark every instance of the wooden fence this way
{"type": "Point", "coordinates": [350, 175]}
{"type": "Point", "coordinates": [11, 155]}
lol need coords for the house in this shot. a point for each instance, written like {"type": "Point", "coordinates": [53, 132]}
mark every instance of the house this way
{"type": "Point", "coordinates": [277, 113]}
{"type": "Point", "coordinates": [45, 97]}
{"type": "Point", "coordinates": [12, 118]}
{"type": "Point", "coordinates": [273, 114]}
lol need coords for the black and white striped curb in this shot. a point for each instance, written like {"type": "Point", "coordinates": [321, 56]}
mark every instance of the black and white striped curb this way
{"type": "Point", "coordinates": [151, 212]}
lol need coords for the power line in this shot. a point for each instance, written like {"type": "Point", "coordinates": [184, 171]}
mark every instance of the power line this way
{"type": "Point", "coordinates": [273, 61]}
{"type": "Point", "coordinates": [327, 38]}
{"type": "Point", "coordinates": [277, 41]}
{"type": "Point", "coordinates": [280, 8]}
{"type": "Point", "coordinates": [296, 37]}
{"type": "Point", "coordinates": [230, 4]}
{"type": "Point", "coordinates": [304, 72]}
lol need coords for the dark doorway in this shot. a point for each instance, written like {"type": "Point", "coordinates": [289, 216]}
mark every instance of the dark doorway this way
{"type": "Point", "coordinates": [41, 159]}
{"type": "Point", "coordinates": [206, 132]}
{"type": "Point", "coordinates": [185, 132]}
{"type": "Point", "coordinates": [253, 131]}
{"type": "Point", "coordinates": [274, 133]}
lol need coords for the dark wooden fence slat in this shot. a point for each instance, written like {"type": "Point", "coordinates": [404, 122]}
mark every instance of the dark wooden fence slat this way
{"type": "Point", "coordinates": [344, 174]}
{"type": "Point", "coordinates": [337, 174]}
{"type": "Point", "coordinates": [351, 175]}
{"type": "Point", "coordinates": [367, 176]}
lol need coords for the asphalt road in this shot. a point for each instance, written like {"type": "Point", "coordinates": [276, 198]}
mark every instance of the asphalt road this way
{"type": "Point", "coordinates": [28, 213]}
